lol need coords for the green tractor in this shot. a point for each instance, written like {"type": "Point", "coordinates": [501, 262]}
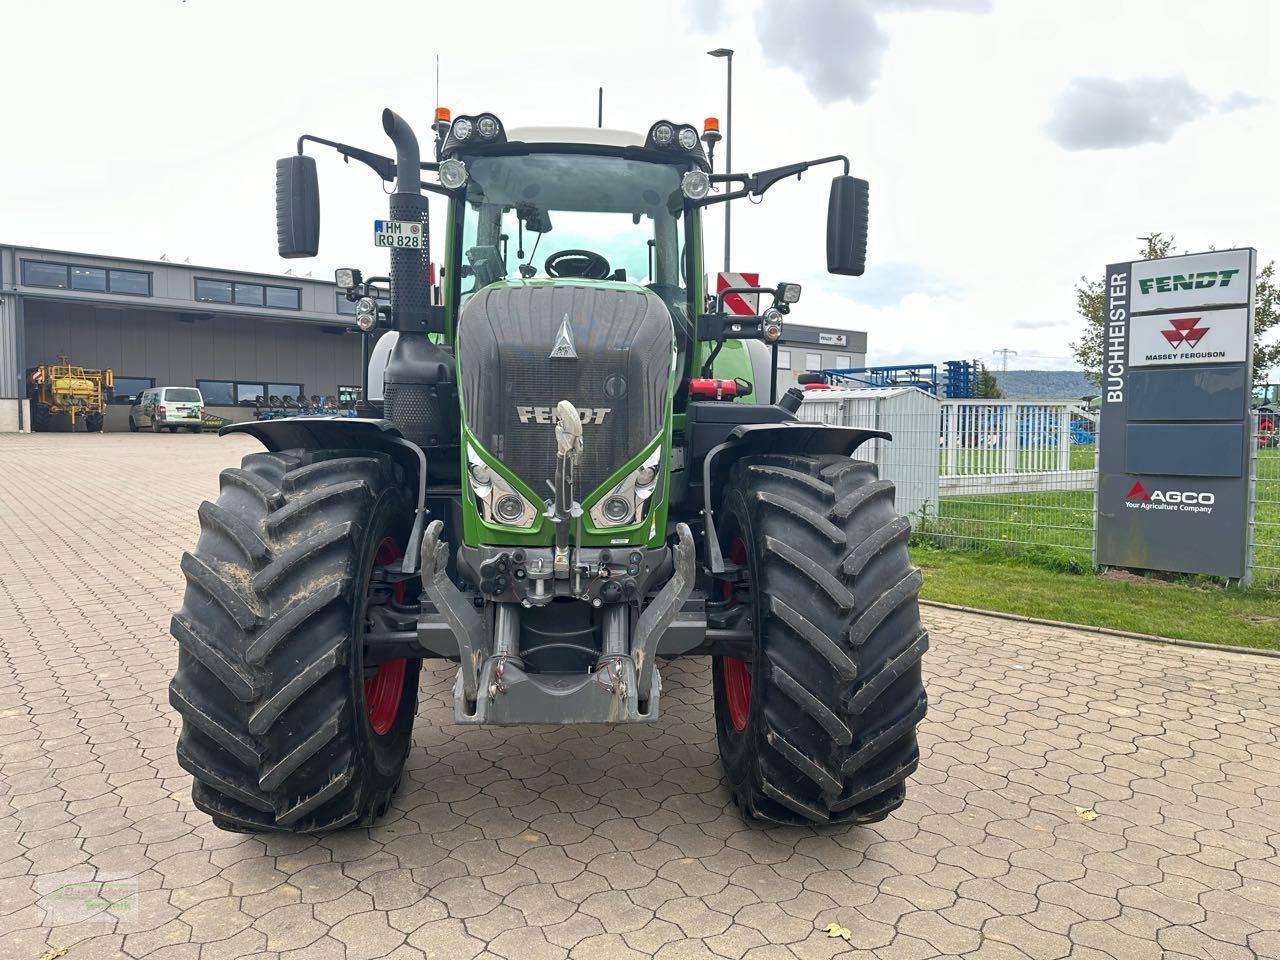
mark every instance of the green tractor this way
{"type": "Point", "coordinates": [570, 466]}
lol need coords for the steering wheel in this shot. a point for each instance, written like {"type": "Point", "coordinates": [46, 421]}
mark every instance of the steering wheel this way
{"type": "Point", "coordinates": [586, 264]}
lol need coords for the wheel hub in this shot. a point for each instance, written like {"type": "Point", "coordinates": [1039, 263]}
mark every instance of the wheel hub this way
{"type": "Point", "coordinates": [737, 674]}
{"type": "Point", "coordinates": [383, 690]}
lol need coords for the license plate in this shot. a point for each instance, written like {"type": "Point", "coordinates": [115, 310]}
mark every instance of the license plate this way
{"type": "Point", "coordinates": [404, 234]}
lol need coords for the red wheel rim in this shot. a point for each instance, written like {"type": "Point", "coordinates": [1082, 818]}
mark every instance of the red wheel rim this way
{"type": "Point", "coordinates": [383, 690]}
{"type": "Point", "coordinates": [737, 675]}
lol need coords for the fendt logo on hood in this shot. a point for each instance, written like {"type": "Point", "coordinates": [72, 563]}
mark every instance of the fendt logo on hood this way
{"type": "Point", "coordinates": [1187, 281]}
{"type": "Point", "coordinates": [1185, 330]}
{"type": "Point", "coordinates": [1193, 501]}
{"type": "Point", "coordinates": [538, 414]}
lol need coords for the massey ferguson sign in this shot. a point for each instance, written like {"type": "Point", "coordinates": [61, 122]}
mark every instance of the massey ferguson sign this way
{"type": "Point", "coordinates": [1175, 448]}
{"type": "Point", "coordinates": [1201, 336]}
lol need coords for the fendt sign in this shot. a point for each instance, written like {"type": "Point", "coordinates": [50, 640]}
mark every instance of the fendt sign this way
{"type": "Point", "coordinates": [1175, 450]}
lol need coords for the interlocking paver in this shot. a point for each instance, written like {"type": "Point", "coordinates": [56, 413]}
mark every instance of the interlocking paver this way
{"type": "Point", "coordinates": [609, 843]}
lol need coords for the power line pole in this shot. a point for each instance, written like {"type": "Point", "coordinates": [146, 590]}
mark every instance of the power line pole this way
{"type": "Point", "coordinates": [1004, 353]}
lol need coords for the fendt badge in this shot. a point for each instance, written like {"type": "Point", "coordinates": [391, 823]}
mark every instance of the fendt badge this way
{"type": "Point", "coordinates": [589, 415]}
{"type": "Point", "coordinates": [563, 350]}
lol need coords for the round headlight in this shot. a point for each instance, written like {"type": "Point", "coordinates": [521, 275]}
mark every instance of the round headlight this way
{"type": "Point", "coordinates": [618, 509]}
{"type": "Point", "coordinates": [453, 173]}
{"type": "Point", "coordinates": [481, 474]}
{"type": "Point", "coordinates": [662, 134]}
{"type": "Point", "coordinates": [771, 324]}
{"type": "Point", "coordinates": [487, 127]}
{"type": "Point", "coordinates": [461, 128]}
{"type": "Point", "coordinates": [688, 137]}
{"type": "Point", "coordinates": [695, 184]}
{"type": "Point", "coordinates": [366, 313]}
{"type": "Point", "coordinates": [646, 476]}
{"type": "Point", "coordinates": [509, 508]}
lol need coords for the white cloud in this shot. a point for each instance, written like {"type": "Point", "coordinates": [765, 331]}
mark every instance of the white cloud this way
{"type": "Point", "coordinates": [707, 16]}
{"type": "Point", "coordinates": [836, 46]}
{"type": "Point", "coordinates": [1031, 323]}
{"type": "Point", "coordinates": [1101, 113]}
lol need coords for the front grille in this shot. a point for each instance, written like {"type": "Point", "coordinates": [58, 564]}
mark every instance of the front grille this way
{"type": "Point", "coordinates": [531, 380]}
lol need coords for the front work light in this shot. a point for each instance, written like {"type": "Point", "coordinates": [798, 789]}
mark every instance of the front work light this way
{"type": "Point", "coordinates": [789, 292]}
{"type": "Point", "coordinates": [662, 134]}
{"type": "Point", "coordinates": [461, 128]}
{"type": "Point", "coordinates": [453, 173]}
{"type": "Point", "coordinates": [688, 138]}
{"type": "Point", "coordinates": [347, 277]}
{"type": "Point", "coordinates": [695, 184]}
{"type": "Point", "coordinates": [487, 127]}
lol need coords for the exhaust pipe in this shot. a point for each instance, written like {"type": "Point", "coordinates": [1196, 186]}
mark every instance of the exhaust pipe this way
{"type": "Point", "coordinates": [410, 268]}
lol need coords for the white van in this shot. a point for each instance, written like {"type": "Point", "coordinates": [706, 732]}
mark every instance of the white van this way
{"type": "Point", "coordinates": [167, 408]}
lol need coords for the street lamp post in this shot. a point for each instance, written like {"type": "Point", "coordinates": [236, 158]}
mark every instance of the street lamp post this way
{"type": "Point", "coordinates": [727, 54]}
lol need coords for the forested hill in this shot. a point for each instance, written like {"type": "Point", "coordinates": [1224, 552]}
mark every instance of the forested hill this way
{"type": "Point", "coordinates": [1044, 384]}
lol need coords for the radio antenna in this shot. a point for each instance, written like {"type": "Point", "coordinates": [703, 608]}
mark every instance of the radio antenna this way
{"type": "Point", "coordinates": [437, 106]}
{"type": "Point", "coordinates": [600, 108]}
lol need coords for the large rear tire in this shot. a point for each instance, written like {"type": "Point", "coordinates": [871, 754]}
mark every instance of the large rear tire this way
{"type": "Point", "coordinates": [283, 729]}
{"type": "Point", "coordinates": [820, 724]}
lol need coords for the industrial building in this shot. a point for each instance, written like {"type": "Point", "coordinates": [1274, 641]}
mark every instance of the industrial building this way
{"type": "Point", "coordinates": [806, 349]}
{"type": "Point", "coordinates": [233, 334]}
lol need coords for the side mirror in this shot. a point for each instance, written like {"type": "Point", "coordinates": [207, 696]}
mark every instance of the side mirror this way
{"type": "Point", "coordinates": [847, 226]}
{"type": "Point", "coordinates": [297, 207]}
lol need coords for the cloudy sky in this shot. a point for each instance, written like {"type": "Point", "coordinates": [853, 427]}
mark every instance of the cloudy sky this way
{"type": "Point", "coordinates": [1011, 145]}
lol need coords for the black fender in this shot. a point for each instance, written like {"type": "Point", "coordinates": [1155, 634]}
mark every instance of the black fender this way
{"type": "Point", "coordinates": [350, 433]}
{"type": "Point", "coordinates": [791, 436]}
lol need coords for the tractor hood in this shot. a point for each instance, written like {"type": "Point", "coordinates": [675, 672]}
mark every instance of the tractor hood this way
{"type": "Point", "coordinates": [522, 347]}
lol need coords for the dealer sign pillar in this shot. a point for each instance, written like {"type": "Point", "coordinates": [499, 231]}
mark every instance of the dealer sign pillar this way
{"type": "Point", "coordinates": [1175, 451]}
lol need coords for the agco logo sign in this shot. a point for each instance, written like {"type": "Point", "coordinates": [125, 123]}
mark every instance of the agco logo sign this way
{"type": "Point", "coordinates": [1185, 330]}
{"type": "Point", "coordinates": [1186, 501]}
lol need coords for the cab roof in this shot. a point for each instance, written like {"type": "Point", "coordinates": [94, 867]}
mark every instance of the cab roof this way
{"type": "Point", "coordinates": [596, 136]}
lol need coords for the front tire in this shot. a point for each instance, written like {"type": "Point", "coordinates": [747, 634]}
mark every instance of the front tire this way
{"type": "Point", "coordinates": [820, 724]}
{"type": "Point", "coordinates": [133, 425]}
{"type": "Point", "coordinates": [283, 729]}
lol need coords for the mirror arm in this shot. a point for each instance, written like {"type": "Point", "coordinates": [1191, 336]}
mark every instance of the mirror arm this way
{"type": "Point", "coordinates": [384, 167]}
{"type": "Point", "coordinates": [757, 183]}
{"type": "Point", "coordinates": [437, 188]}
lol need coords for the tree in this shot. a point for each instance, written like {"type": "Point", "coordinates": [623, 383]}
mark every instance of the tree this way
{"type": "Point", "coordinates": [1091, 298]}
{"type": "Point", "coordinates": [987, 387]}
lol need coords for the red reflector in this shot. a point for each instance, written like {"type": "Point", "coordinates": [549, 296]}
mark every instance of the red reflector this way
{"type": "Point", "coordinates": [708, 389]}
{"type": "Point", "coordinates": [162, 410]}
{"type": "Point", "coordinates": [431, 274]}
{"type": "Point", "coordinates": [817, 386]}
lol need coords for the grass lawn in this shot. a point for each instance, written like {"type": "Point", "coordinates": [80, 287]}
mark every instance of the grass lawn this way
{"type": "Point", "coordinates": [1063, 520]}
{"type": "Point", "coordinates": [1184, 610]}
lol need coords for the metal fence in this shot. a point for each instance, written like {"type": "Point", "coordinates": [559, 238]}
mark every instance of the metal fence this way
{"type": "Point", "coordinates": [1264, 509]}
{"type": "Point", "coordinates": [1016, 475]}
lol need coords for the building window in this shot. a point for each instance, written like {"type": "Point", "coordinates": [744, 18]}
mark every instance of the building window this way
{"type": "Point", "coordinates": [842, 362]}
{"type": "Point", "coordinates": [131, 282]}
{"type": "Point", "coordinates": [784, 359]}
{"type": "Point", "coordinates": [128, 388]}
{"type": "Point", "coordinates": [349, 395]}
{"type": "Point", "coordinates": [813, 362]}
{"type": "Point", "coordinates": [345, 306]}
{"type": "Point", "coordinates": [37, 273]}
{"type": "Point", "coordinates": [284, 298]}
{"type": "Point", "coordinates": [89, 278]}
{"type": "Point", "coordinates": [293, 390]}
{"type": "Point", "coordinates": [63, 276]}
{"type": "Point", "coordinates": [213, 291]}
{"type": "Point", "coordinates": [248, 393]}
{"type": "Point", "coordinates": [217, 393]}
{"type": "Point", "coordinates": [248, 294]}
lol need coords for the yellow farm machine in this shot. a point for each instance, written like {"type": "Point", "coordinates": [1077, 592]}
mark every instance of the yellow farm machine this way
{"type": "Point", "coordinates": [63, 396]}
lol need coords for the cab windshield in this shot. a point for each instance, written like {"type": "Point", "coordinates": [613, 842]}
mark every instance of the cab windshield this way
{"type": "Point", "coordinates": [567, 215]}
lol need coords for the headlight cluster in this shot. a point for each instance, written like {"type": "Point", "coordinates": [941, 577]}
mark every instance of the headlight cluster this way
{"type": "Point", "coordinates": [486, 128]}
{"type": "Point", "coordinates": [672, 136]}
{"type": "Point", "coordinates": [498, 500]}
{"type": "Point", "coordinates": [626, 503]}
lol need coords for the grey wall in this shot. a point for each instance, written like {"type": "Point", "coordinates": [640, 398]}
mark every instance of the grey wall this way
{"type": "Point", "coordinates": [144, 343]}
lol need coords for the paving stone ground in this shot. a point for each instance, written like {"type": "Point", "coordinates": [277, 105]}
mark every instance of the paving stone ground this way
{"type": "Point", "coordinates": [606, 842]}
